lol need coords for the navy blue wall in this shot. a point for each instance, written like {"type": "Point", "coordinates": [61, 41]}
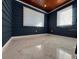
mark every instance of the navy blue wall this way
{"type": "Point", "coordinates": [50, 23]}
{"type": "Point", "coordinates": [12, 22]}
{"type": "Point", "coordinates": [6, 20]}
{"type": "Point", "coordinates": [17, 26]}
{"type": "Point", "coordinates": [70, 31]}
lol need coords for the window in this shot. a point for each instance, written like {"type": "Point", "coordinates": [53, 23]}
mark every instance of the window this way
{"type": "Point", "coordinates": [32, 18]}
{"type": "Point", "coordinates": [64, 17]}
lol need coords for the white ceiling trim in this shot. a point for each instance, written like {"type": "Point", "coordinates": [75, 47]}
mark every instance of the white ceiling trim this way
{"type": "Point", "coordinates": [60, 6]}
{"type": "Point", "coordinates": [43, 10]}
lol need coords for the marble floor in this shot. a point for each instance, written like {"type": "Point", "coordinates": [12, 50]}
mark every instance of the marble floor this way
{"type": "Point", "coordinates": [41, 46]}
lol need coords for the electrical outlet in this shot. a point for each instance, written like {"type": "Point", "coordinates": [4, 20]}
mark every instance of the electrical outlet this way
{"type": "Point", "coordinates": [51, 30]}
{"type": "Point", "coordinates": [36, 31]}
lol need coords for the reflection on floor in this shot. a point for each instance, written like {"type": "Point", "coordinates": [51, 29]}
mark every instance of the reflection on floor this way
{"type": "Point", "coordinates": [43, 46]}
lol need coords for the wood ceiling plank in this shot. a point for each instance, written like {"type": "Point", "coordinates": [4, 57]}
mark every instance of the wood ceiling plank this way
{"type": "Point", "coordinates": [47, 5]}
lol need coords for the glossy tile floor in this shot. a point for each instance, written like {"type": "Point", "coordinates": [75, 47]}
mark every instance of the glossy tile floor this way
{"type": "Point", "coordinates": [43, 46]}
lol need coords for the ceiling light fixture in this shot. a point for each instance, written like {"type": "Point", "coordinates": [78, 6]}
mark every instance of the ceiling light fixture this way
{"type": "Point", "coordinates": [45, 5]}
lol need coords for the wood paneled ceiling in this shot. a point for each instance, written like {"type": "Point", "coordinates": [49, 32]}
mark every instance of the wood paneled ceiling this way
{"type": "Point", "coordinates": [46, 5]}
